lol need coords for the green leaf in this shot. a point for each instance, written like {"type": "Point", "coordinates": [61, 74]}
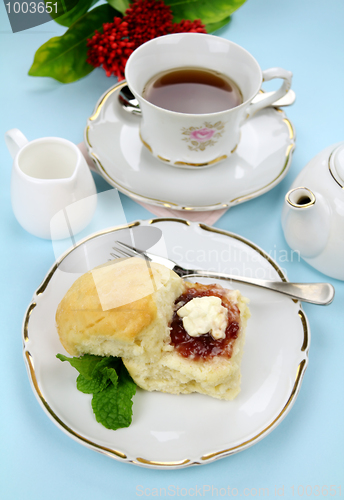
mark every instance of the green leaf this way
{"type": "Point", "coordinates": [212, 27]}
{"type": "Point", "coordinates": [101, 373]}
{"type": "Point", "coordinates": [96, 384]}
{"type": "Point", "coordinates": [110, 375]}
{"type": "Point", "coordinates": [209, 12]}
{"type": "Point", "coordinates": [111, 385]}
{"type": "Point", "coordinates": [66, 12]}
{"type": "Point", "coordinates": [113, 406]}
{"type": "Point", "coordinates": [120, 5]}
{"type": "Point", "coordinates": [106, 361]}
{"type": "Point", "coordinates": [64, 58]}
{"type": "Point", "coordinates": [85, 365]}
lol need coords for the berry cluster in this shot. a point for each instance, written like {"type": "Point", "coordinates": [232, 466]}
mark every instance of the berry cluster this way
{"type": "Point", "coordinates": [143, 21]}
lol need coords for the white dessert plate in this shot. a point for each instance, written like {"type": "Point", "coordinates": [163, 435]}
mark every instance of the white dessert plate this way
{"type": "Point", "coordinates": [171, 431]}
{"type": "Point", "coordinates": [260, 162]}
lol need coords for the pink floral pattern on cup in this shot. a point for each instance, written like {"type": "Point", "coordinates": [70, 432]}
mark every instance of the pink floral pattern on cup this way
{"type": "Point", "coordinates": [203, 134]}
{"type": "Point", "coordinates": [201, 137]}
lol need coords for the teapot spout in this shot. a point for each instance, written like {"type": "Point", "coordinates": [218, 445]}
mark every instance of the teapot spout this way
{"type": "Point", "coordinates": [306, 221]}
{"type": "Point", "coordinates": [300, 198]}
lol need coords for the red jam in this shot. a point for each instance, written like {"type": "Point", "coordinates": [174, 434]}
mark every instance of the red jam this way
{"type": "Point", "coordinates": [205, 346]}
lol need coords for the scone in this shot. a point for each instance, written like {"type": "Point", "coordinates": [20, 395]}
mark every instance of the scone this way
{"type": "Point", "coordinates": [173, 336]}
{"type": "Point", "coordinates": [122, 309]}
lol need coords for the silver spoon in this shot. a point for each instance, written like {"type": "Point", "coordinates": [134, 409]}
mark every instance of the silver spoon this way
{"type": "Point", "coordinates": [129, 101]}
{"type": "Point", "coordinates": [131, 104]}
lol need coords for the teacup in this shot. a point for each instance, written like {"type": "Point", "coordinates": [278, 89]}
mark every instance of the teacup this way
{"type": "Point", "coordinates": [53, 193]}
{"type": "Point", "coordinates": [187, 140]}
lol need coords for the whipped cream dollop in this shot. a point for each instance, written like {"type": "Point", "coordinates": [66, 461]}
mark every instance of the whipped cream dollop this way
{"type": "Point", "coordinates": [204, 315]}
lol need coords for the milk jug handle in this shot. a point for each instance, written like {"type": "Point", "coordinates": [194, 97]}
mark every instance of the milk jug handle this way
{"type": "Point", "coordinates": [15, 140]}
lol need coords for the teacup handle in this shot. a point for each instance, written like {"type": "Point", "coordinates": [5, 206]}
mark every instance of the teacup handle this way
{"type": "Point", "coordinates": [15, 140]}
{"type": "Point", "coordinates": [270, 74]}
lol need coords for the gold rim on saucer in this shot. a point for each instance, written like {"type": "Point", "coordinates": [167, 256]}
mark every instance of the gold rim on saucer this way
{"type": "Point", "coordinates": [168, 203]}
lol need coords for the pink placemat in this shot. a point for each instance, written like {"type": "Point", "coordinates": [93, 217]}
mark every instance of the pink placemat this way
{"type": "Point", "coordinates": [208, 217]}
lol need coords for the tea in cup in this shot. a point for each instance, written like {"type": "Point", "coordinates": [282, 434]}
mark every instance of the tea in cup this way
{"type": "Point", "coordinates": [195, 91]}
{"type": "Point", "coordinates": [50, 175]}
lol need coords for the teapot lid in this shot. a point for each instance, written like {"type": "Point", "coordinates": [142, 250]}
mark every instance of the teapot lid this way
{"type": "Point", "coordinates": [336, 165]}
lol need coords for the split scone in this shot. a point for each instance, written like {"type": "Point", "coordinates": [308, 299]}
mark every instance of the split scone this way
{"type": "Point", "coordinates": [173, 336]}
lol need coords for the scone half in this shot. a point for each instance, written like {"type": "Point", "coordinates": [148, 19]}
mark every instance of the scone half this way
{"type": "Point", "coordinates": [201, 364]}
{"type": "Point", "coordinates": [120, 309]}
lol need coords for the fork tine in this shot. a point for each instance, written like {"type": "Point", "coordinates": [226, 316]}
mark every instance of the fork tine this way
{"type": "Point", "coordinates": [134, 251]}
{"type": "Point", "coordinates": [115, 255]}
{"type": "Point", "coordinates": [122, 253]}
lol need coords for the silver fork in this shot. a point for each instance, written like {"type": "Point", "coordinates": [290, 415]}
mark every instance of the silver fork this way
{"type": "Point", "coordinates": [315, 293]}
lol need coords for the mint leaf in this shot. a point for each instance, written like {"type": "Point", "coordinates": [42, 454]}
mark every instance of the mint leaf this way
{"type": "Point", "coordinates": [96, 372]}
{"type": "Point", "coordinates": [102, 376]}
{"type": "Point", "coordinates": [109, 362]}
{"type": "Point", "coordinates": [85, 364]}
{"type": "Point", "coordinates": [110, 374]}
{"type": "Point", "coordinates": [111, 385]}
{"type": "Point", "coordinates": [93, 385]}
{"type": "Point", "coordinates": [113, 406]}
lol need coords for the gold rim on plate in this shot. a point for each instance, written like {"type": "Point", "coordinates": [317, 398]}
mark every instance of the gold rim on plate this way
{"type": "Point", "coordinates": [117, 454]}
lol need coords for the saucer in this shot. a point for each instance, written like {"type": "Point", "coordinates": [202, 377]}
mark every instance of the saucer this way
{"type": "Point", "coordinates": [260, 162]}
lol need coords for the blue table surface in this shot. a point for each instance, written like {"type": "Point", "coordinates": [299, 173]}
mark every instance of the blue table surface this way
{"type": "Point", "coordinates": [38, 461]}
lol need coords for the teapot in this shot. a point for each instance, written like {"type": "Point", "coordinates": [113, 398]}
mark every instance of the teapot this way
{"type": "Point", "coordinates": [313, 212]}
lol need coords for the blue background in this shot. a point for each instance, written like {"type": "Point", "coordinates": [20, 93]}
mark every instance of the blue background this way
{"type": "Point", "coordinates": [37, 460]}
